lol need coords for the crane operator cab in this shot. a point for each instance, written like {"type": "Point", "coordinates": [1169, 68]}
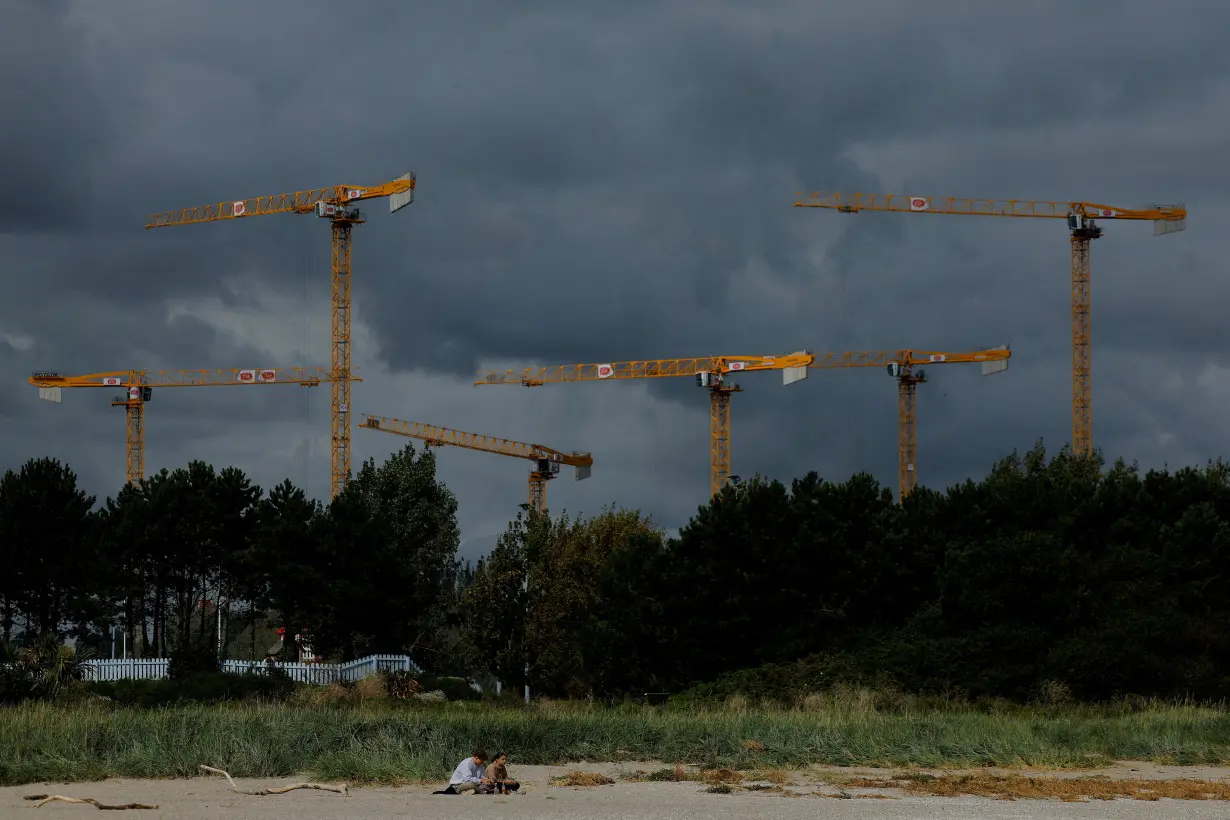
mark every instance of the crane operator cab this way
{"type": "Point", "coordinates": [547, 467]}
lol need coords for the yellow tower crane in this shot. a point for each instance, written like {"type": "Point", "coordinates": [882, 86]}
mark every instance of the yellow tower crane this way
{"type": "Point", "coordinates": [901, 366]}
{"type": "Point", "coordinates": [336, 205]}
{"type": "Point", "coordinates": [139, 385]}
{"type": "Point", "coordinates": [710, 373]}
{"type": "Point", "coordinates": [546, 461]}
{"type": "Point", "coordinates": [1082, 225]}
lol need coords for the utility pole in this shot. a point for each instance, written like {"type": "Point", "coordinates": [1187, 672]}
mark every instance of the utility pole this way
{"type": "Point", "coordinates": [525, 588]}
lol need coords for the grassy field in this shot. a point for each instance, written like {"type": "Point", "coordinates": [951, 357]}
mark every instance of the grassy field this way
{"type": "Point", "coordinates": [390, 742]}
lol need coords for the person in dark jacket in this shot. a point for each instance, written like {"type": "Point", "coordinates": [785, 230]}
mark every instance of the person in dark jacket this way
{"type": "Point", "coordinates": [497, 773]}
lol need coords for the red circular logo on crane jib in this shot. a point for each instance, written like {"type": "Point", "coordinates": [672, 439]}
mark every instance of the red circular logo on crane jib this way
{"type": "Point", "coordinates": [605, 370]}
{"type": "Point", "coordinates": [918, 202]}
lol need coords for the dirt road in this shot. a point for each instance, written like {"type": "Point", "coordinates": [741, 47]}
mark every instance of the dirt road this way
{"type": "Point", "coordinates": [818, 797]}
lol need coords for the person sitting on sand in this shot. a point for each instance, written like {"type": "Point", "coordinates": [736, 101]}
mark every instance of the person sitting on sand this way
{"type": "Point", "coordinates": [470, 775]}
{"type": "Point", "coordinates": [497, 772]}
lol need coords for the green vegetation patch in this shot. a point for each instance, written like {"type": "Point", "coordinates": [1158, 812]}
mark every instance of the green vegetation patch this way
{"type": "Point", "coordinates": [389, 743]}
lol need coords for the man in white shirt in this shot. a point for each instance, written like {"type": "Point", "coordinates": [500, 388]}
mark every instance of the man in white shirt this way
{"type": "Point", "coordinates": [470, 775]}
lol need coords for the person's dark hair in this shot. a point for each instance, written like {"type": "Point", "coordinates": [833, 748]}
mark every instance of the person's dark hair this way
{"type": "Point", "coordinates": [498, 755]}
{"type": "Point", "coordinates": [481, 754]}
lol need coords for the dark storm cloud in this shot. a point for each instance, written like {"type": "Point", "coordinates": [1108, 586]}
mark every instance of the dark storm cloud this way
{"type": "Point", "coordinates": [615, 182]}
{"type": "Point", "coordinates": [56, 124]}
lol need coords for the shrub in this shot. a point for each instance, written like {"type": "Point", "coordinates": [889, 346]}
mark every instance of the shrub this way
{"type": "Point", "coordinates": [193, 658]}
{"type": "Point", "coordinates": [410, 685]}
{"type": "Point", "coordinates": [372, 687]}
{"type": "Point", "coordinates": [38, 672]}
{"type": "Point", "coordinates": [401, 684]}
{"type": "Point", "coordinates": [453, 688]}
{"type": "Point", "coordinates": [203, 687]}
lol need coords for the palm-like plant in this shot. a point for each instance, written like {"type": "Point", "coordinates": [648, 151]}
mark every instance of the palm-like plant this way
{"type": "Point", "coordinates": [38, 672]}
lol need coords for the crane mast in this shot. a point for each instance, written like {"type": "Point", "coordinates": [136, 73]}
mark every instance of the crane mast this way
{"type": "Point", "coordinates": [1082, 227]}
{"type": "Point", "coordinates": [546, 460]}
{"type": "Point", "coordinates": [335, 204]}
{"type": "Point", "coordinates": [904, 367]}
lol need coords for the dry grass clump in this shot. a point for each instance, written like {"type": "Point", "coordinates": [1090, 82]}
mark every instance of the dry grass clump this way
{"type": "Point", "coordinates": [778, 777]}
{"type": "Point", "coordinates": [843, 697]}
{"type": "Point", "coordinates": [714, 776]}
{"type": "Point", "coordinates": [753, 745]}
{"type": "Point", "coordinates": [1069, 790]}
{"type": "Point", "coordinates": [372, 687]}
{"type": "Point", "coordinates": [583, 779]}
{"type": "Point", "coordinates": [675, 774]}
{"type": "Point", "coordinates": [760, 780]}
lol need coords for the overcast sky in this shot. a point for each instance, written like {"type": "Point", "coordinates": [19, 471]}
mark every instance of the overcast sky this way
{"type": "Point", "coordinates": [601, 182]}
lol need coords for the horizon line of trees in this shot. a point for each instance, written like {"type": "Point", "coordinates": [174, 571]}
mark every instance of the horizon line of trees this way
{"type": "Point", "coordinates": [1060, 573]}
{"type": "Point", "coordinates": [163, 561]}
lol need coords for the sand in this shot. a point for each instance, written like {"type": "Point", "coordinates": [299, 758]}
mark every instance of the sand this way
{"type": "Point", "coordinates": [208, 798]}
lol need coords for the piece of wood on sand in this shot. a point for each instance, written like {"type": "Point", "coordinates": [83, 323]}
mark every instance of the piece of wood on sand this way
{"type": "Point", "coordinates": [44, 799]}
{"type": "Point", "coordinates": [324, 787]}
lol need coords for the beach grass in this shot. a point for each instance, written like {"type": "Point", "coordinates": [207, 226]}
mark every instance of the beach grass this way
{"type": "Point", "coordinates": [390, 742]}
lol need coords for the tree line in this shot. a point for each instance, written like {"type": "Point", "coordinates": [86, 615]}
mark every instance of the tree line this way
{"type": "Point", "coordinates": [1058, 575]}
{"type": "Point", "coordinates": [1056, 578]}
{"type": "Point", "coordinates": [165, 562]}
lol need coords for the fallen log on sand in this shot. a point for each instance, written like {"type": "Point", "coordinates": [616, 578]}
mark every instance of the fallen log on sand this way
{"type": "Point", "coordinates": [324, 787]}
{"type": "Point", "coordinates": [44, 799]}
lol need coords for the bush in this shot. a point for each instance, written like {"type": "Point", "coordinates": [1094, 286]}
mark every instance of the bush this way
{"type": "Point", "coordinates": [788, 683]}
{"type": "Point", "coordinates": [401, 684]}
{"type": "Point", "coordinates": [38, 672]}
{"type": "Point", "coordinates": [193, 658]}
{"type": "Point", "coordinates": [203, 687]}
{"type": "Point", "coordinates": [453, 688]}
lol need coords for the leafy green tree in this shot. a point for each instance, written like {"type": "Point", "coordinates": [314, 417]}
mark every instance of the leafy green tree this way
{"type": "Point", "coordinates": [626, 638]}
{"type": "Point", "coordinates": [565, 570]}
{"type": "Point", "coordinates": [391, 537]}
{"type": "Point", "coordinates": [179, 540]}
{"type": "Point", "coordinates": [286, 566]}
{"type": "Point", "coordinates": [494, 609]}
{"type": "Point", "coordinates": [49, 551]}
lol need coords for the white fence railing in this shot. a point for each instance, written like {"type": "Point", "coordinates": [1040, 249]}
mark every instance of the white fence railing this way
{"type": "Point", "coordinates": [317, 673]}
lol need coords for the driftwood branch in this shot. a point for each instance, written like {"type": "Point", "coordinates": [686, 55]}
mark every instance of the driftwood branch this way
{"type": "Point", "coordinates": [44, 799]}
{"type": "Point", "coordinates": [324, 787]}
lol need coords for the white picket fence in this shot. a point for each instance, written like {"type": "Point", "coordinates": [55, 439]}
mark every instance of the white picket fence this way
{"type": "Point", "coordinates": [317, 673]}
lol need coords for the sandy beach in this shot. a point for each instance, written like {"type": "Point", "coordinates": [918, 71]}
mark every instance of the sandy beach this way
{"type": "Point", "coordinates": [815, 792]}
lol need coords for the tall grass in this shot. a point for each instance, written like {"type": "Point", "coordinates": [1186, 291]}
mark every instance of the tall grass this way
{"type": "Point", "coordinates": [383, 742]}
